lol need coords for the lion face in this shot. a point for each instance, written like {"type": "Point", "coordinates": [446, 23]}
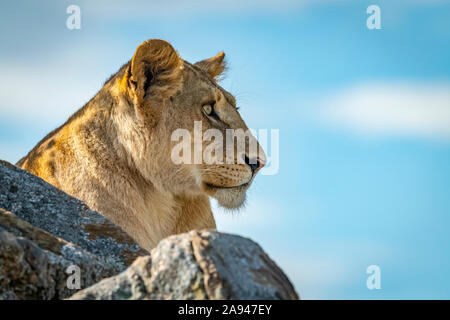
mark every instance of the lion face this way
{"type": "Point", "coordinates": [168, 96]}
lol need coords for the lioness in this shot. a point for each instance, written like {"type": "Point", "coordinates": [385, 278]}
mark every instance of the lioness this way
{"type": "Point", "coordinates": [115, 152]}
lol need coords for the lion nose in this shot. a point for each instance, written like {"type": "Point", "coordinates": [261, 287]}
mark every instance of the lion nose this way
{"type": "Point", "coordinates": [255, 163]}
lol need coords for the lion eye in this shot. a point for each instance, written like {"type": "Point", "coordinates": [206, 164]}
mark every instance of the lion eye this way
{"type": "Point", "coordinates": [208, 108]}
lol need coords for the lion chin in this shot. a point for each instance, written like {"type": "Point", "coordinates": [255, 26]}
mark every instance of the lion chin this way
{"type": "Point", "coordinates": [228, 197]}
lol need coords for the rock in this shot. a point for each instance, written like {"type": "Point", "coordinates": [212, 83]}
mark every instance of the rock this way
{"type": "Point", "coordinates": [237, 268]}
{"type": "Point", "coordinates": [35, 267]}
{"type": "Point", "coordinates": [197, 265]}
{"type": "Point", "coordinates": [44, 231]}
{"type": "Point", "coordinates": [48, 208]}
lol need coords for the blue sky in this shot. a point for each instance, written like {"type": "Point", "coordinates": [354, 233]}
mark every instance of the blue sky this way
{"type": "Point", "coordinates": [364, 120]}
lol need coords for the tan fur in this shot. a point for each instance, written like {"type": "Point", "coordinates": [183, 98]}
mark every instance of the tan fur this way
{"type": "Point", "coordinates": [114, 153]}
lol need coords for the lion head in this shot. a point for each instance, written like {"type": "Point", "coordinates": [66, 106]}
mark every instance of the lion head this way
{"type": "Point", "coordinates": [160, 95]}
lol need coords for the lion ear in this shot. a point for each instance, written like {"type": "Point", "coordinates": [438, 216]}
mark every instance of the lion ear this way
{"type": "Point", "coordinates": [155, 69]}
{"type": "Point", "coordinates": [214, 66]}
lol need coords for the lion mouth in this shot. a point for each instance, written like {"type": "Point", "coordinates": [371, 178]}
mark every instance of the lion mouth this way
{"type": "Point", "coordinates": [212, 186]}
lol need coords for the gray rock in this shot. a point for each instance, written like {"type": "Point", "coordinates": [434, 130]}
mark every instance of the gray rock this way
{"type": "Point", "coordinates": [46, 241]}
{"type": "Point", "coordinates": [48, 208]}
{"type": "Point", "coordinates": [237, 268]}
{"type": "Point", "coordinates": [28, 271]}
{"type": "Point", "coordinates": [198, 265]}
{"type": "Point", "coordinates": [43, 231]}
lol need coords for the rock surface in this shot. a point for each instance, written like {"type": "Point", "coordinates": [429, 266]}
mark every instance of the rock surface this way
{"type": "Point", "coordinates": [48, 208]}
{"type": "Point", "coordinates": [197, 265]}
{"type": "Point", "coordinates": [35, 267]}
{"type": "Point", "coordinates": [44, 231]}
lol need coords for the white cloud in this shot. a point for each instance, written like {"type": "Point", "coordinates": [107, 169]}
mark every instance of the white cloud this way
{"type": "Point", "coordinates": [51, 88]}
{"type": "Point", "coordinates": [386, 109]}
{"type": "Point", "coordinates": [34, 97]}
{"type": "Point", "coordinates": [116, 10]}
